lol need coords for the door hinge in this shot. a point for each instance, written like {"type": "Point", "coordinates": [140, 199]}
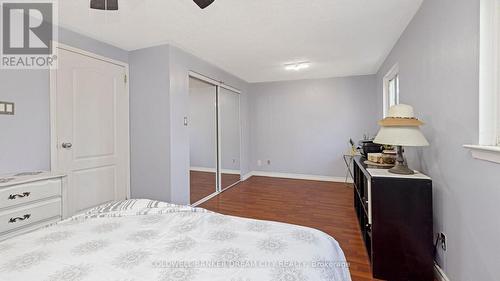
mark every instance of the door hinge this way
{"type": "Point", "coordinates": [125, 78]}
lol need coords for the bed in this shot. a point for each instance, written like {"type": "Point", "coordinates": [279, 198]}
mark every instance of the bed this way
{"type": "Point", "coordinates": [151, 240]}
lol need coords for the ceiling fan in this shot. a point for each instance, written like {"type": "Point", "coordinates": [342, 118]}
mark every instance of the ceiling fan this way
{"type": "Point", "coordinates": [112, 5]}
{"type": "Point", "coordinates": [203, 3]}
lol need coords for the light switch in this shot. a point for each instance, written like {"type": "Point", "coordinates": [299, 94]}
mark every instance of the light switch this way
{"type": "Point", "coordinates": [6, 108]}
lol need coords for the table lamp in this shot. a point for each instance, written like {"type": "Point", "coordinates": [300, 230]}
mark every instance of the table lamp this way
{"type": "Point", "coordinates": [401, 128]}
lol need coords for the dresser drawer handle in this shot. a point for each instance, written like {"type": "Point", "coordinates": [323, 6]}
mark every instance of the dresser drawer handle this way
{"type": "Point", "coordinates": [25, 217]}
{"type": "Point", "coordinates": [14, 196]}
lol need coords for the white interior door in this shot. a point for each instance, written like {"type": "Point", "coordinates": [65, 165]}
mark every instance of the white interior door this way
{"type": "Point", "coordinates": [92, 130]}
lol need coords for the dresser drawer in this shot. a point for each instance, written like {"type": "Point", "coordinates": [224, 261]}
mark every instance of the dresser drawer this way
{"type": "Point", "coordinates": [29, 192]}
{"type": "Point", "coordinates": [29, 214]}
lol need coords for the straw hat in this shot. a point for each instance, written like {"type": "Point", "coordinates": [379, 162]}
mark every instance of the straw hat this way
{"type": "Point", "coordinates": [401, 128]}
{"type": "Point", "coordinates": [400, 115]}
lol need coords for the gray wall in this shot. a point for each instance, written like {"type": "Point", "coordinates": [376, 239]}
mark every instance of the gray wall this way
{"type": "Point", "coordinates": [166, 120]}
{"type": "Point", "coordinates": [25, 137]}
{"type": "Point", "coordinates": [202, 127]}
{"type": "Point", "coordinates": [77, 40]}
{"type": "Point", "coordinates": [439, 60]}
{"type": "Point", "coordinates": [304, 126]}
{"type": "Point", "coordinates": [150, 123]}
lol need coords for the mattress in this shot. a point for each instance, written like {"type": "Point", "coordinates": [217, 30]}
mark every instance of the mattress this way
{"type": "Point", "coordinates": [136, 240]}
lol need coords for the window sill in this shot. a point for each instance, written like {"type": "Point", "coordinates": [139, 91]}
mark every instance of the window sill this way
{"type": "Point", "coordinates": [487, 153]}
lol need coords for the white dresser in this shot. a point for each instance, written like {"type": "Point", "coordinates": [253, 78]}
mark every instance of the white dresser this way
{"type": "Point", "coordinates": [29, 201]}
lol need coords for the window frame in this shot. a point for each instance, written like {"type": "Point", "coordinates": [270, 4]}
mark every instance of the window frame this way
{"type": "Point", "coordinates": [488, 146]}
{"type": "Point", "coordinates": [489, 62]}
{"type": "Point", "coordinates": [392, 74]}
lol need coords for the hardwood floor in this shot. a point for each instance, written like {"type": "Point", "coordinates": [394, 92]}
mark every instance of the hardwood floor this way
{"type": "Point", "coordinates": [202, 184]}
{"type": "Point", "coordinates": [228, 180]}
{"type": "Point", "coordinates": [325, 206]}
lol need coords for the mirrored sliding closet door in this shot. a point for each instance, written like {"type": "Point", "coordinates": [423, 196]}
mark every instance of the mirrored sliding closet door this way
{"type": "Point", "coordinates": [229, 130]}
{"type": "Point", "coordinates": [214, 132]}
{"type": "Point", "coordinates": [202, 139]}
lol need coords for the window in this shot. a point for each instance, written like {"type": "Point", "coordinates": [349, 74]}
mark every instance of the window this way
{"type": "Point", "coordinates": [492, 95]}
{"type": "Point", "coordinates": [488, 147]}
{"type": "Point", "coordinates": [393, 93]}
{"type": "Point", "coordinates": [489, 81]}
{"type": "Point", "coordinates": [391, 89]}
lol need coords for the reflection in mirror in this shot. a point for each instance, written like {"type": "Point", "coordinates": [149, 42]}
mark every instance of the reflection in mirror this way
{"type": "Point", "coordinates": [229, 121]}
{"type": "Point", "coordinates": [202, 139]}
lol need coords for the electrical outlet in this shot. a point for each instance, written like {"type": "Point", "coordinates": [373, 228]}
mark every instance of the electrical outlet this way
{"type": "Point", "coordinates": [268, 162]}
{"type": "Point", "coordinates": [259, 163]}
{"type": "Point", "coordinates": [442, 239]}
{"type": "Point", "coordinates": [6, 108]}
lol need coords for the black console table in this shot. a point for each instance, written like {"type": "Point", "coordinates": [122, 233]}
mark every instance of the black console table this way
{"type": "Point", "coordinates": [395, 216]}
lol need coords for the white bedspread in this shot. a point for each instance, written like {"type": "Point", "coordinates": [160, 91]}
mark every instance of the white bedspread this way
{"type": "Point", "coordinates": [151, 240]}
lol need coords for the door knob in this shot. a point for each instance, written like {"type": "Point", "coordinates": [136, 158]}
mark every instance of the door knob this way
{"type": "Point", "coordinates": [67, 145]}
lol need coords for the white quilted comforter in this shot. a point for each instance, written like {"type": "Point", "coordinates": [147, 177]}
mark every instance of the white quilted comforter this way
{"type": "Point", "coordinates": [151, 240]}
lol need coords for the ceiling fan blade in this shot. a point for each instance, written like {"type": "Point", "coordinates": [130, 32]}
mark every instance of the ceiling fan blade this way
{"type": "Point", "coordinates": [112, 5]}
{"type": "Point", "coordinates": [98, 4]}
{"type": "Point", "coordinates": [203, 3]}
{"type": "Point", "coordinates": [109, 5]}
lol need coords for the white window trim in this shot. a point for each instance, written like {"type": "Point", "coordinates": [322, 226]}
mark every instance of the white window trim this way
{"type": "Point", "coordinates": [483, 152]}
{"type": "Point", "coordinates": [393, 72]}
{"type": "Point", "coordinates": [489, 90]}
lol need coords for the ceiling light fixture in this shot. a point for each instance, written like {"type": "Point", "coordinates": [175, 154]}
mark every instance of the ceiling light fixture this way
{"type": "Point", "coordinates": [296, 66]}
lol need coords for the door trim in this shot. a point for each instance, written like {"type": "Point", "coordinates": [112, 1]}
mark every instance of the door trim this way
{"type": "Point", "coordinates": [53, 108]}
{"type": "Point", "coordinates": [240, 132]}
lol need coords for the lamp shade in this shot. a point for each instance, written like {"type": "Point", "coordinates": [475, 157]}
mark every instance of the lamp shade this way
{"type": "Point", "coordinates": [404, 136]}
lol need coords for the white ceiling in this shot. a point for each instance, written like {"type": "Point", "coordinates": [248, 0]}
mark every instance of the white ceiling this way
{"type": "Point", "coordinates": [252, 39]}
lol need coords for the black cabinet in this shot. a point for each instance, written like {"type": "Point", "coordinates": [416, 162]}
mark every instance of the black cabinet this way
{"type": "Point", "coordinates": [395, 216]}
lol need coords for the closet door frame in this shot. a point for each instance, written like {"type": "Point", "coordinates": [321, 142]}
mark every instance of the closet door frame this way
{"type": "Point", "coordinates": [219, 137]}
{"type": "Point", "coordinates": [216, 191]}
{"type": "Point", "coordinates": [218, 85]}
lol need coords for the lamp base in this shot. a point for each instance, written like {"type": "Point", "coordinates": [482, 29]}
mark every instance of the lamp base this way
{"type": "Point", "coordinates": [401, 168]}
